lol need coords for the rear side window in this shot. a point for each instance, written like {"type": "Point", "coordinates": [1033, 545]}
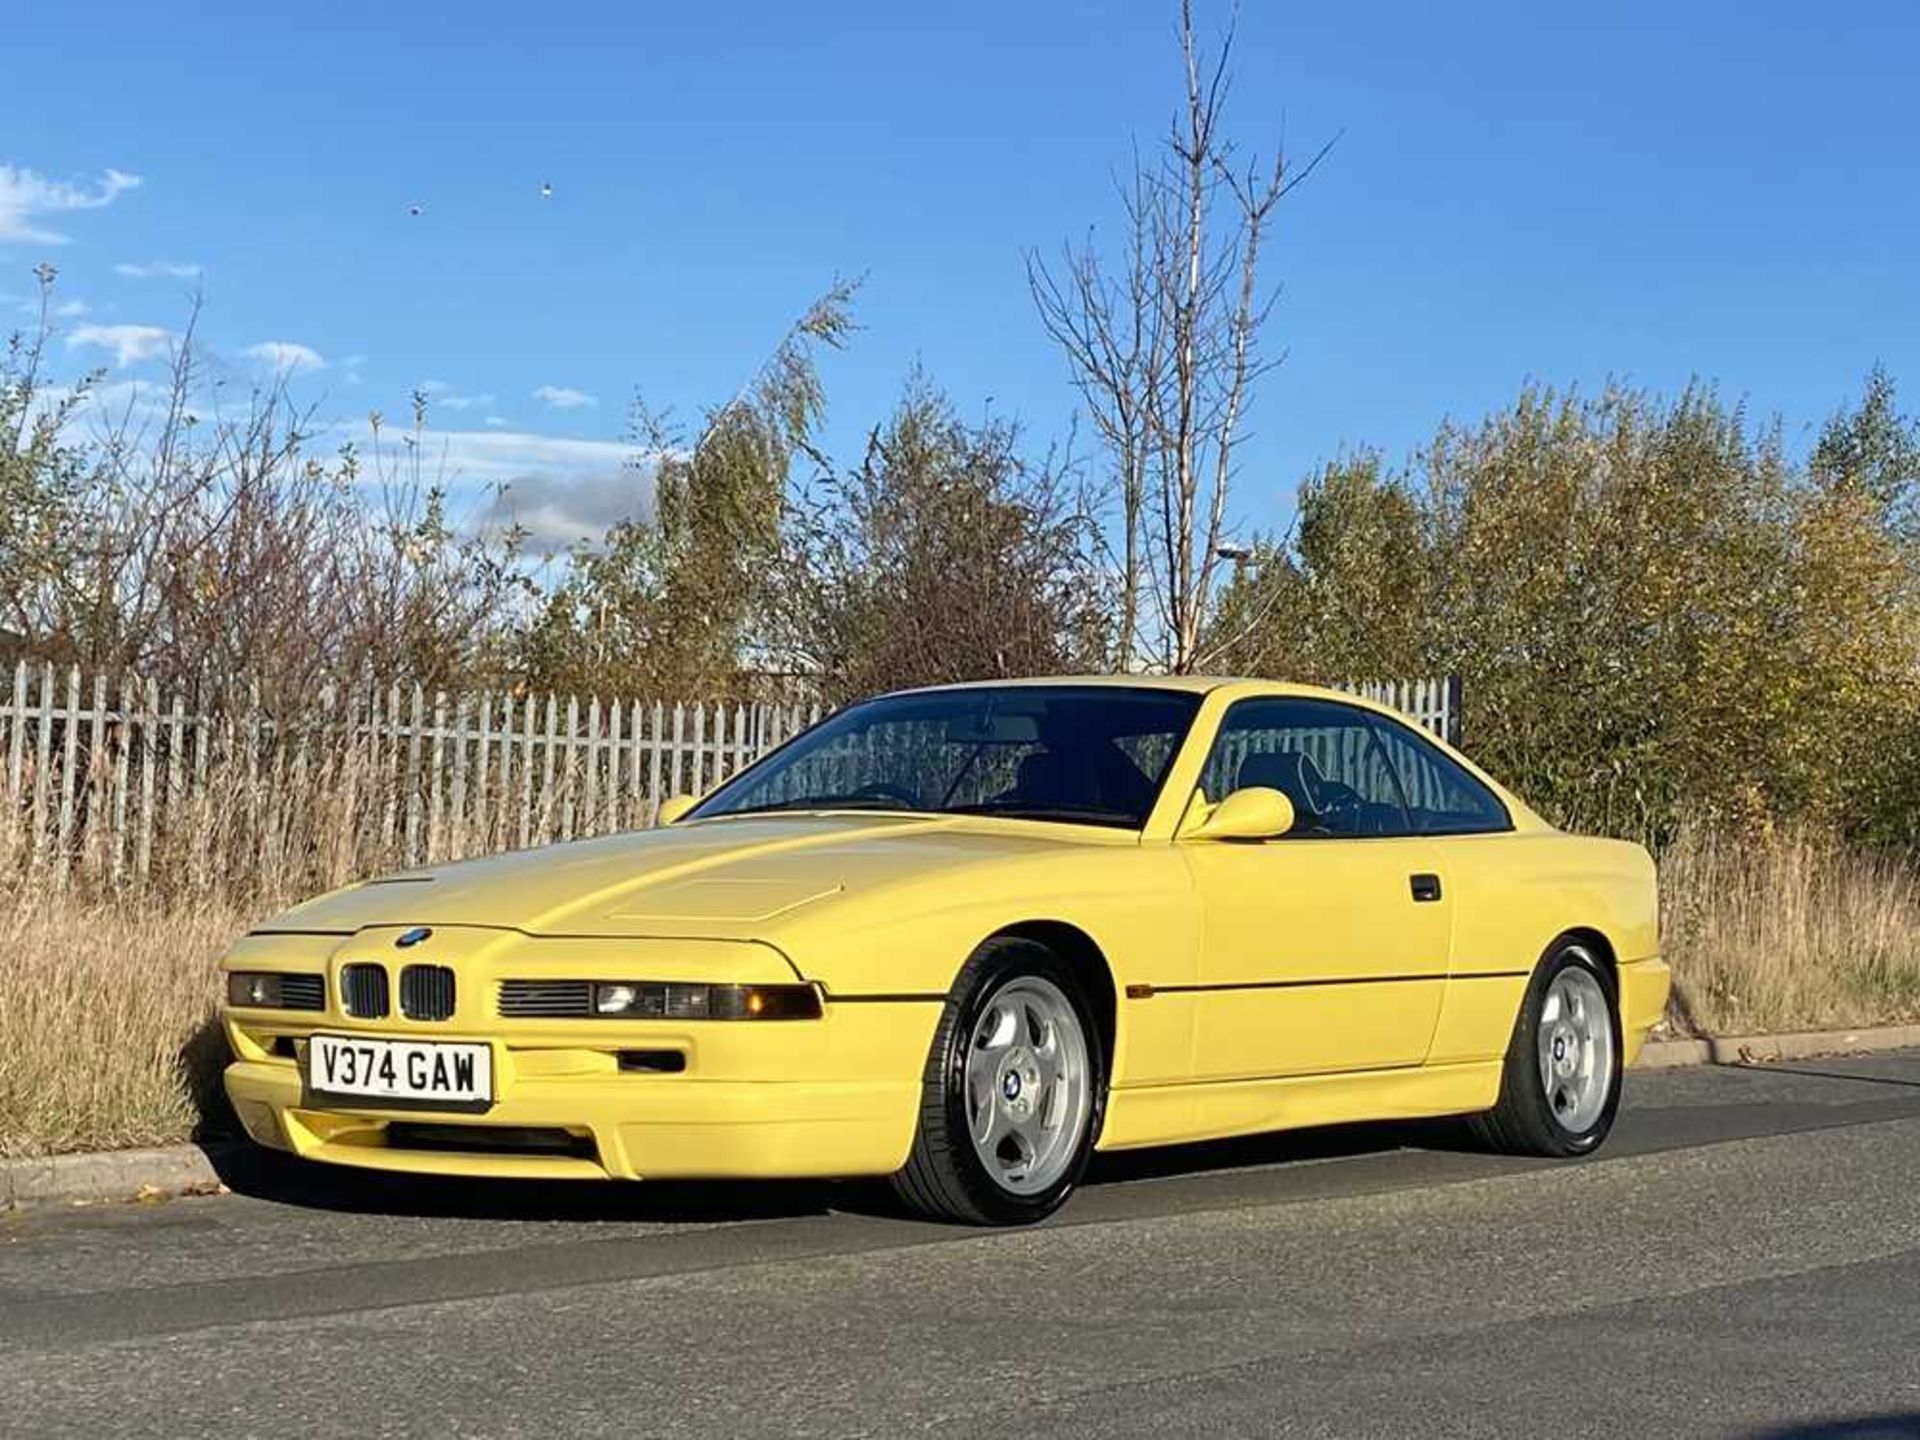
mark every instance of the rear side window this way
{"type": "Point", "coordinates": [1443, 798]}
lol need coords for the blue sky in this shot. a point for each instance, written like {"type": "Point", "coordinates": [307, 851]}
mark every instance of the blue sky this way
{"type": "Point", "coordinates": [1651, 192]}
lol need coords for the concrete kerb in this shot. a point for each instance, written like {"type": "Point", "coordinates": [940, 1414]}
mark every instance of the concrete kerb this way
{"type": "Point", "coordinates": [107, 1175]}
{"type": "Point", "coordinates": [1766, 1049]}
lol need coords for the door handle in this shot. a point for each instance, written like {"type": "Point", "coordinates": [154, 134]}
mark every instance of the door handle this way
{"type": "Point", "coordinates": [1425, 887]}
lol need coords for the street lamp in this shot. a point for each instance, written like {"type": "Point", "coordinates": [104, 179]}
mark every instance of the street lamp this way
{"type": "Point", "coordinates": [1240, 555]}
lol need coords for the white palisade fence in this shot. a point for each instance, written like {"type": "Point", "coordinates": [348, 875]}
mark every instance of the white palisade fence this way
{"type": "Point", "coordinates": [1433, 704]}
{"type": "Point", "coordinates": [109, 783]}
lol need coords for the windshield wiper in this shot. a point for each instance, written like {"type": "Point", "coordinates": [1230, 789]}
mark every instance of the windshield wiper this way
{"type": "Point", "coordinates": [1023, 810]}
{"type": "Point", "coordinates": [824, 802]}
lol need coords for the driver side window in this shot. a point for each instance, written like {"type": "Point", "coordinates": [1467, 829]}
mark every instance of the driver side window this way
{"type": "Point", "coordinates": [1323, 756]}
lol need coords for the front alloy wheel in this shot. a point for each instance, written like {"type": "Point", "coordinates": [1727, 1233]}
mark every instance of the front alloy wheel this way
{"type": "Point", "coordinates": [1012, 1094]}
{"type": "Point", "coordinates": [1029, 1085]}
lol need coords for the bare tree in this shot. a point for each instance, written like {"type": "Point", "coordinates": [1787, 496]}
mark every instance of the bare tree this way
{"type": "Point", "coordinates": [1164, 345]}
{"type": "Point", "coordinates": [944, 555]}
{"type": "Point", "coordinates": [194, 542]}
{"type": "Point", "coordinates": [1109, 327]}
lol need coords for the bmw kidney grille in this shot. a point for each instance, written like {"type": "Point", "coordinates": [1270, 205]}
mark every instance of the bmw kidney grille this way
{"type": "Point", "coordinates": [363, 991]}
{"type": "Point", "coordinates": [426, 992]}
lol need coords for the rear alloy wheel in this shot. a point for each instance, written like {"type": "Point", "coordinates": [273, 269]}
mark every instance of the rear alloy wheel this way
{"type": "Point", "coordinates": [1012, 1095]}
{"type": "Point", "coordinates": [1560, 1089]}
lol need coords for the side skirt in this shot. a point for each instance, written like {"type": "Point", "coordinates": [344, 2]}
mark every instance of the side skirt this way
{"type": "Point", "coordinates": [1170, 1114]}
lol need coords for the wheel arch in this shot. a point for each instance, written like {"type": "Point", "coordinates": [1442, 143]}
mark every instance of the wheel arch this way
{"type": "Point", "coordinates": [1594, 940]}
{"type": "Point", "coordinates": [1088, 962]}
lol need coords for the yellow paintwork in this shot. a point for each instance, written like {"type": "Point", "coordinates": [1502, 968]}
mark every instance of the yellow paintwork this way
{"type": "Point", "coordinates": [880, 910]}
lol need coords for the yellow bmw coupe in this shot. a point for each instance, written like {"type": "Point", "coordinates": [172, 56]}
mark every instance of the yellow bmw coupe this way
{"type": "Point", "coordinates": [963, 937]}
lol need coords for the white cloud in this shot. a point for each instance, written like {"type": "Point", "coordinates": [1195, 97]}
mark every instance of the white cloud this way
{"type": "Point", "coordinates": [491, 456]}
{"type": "Point", "coordinates": [495, 421]}
{"type": "Point", "coordinates": [62, 310]}
{"type": "Point", "coordinates": [286, 357]}
{"type": "Point", "coordinates": [112, 409]}
{"type": "Point", "coordinates": [163, 269]}
{"type": "Point", "coordinates": [26, 194]}
{"type": "Point", "coordinates": [563, 490]}
{"type": "Point", "coordinates": [129, 343]}
{"type": "Point", "coordinates": [443, 396]}
{"type": "Point", "coordinates": [560, 510]}
{"type": "Point", "coordinates": [127, 401]}
{"type": "Point", "coordinates": [563, 397]}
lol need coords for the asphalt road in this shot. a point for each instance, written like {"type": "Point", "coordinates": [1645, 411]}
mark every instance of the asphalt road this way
{"type": "Point", "coordinates": [1743, 1260]}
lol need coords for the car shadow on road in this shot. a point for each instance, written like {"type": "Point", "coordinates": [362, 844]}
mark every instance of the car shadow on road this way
{"type": "Point", "coordinates": [281, 1179]}
{"type": "Point", "coordinates": [1904, 1425]}
{"type": "Point", "coordinates": [1277, 1148]}
{"type": "Point", "coordinates": [272, 1176]}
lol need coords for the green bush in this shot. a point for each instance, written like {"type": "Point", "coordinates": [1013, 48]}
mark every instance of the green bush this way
{"type": "Point", "coordinates": [1654, 611]}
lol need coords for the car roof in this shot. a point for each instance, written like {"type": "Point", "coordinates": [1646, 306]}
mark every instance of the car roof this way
{"type": "Point", "coordinates": [1190, 684]}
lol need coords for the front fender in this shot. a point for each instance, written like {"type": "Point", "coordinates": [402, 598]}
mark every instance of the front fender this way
{"type": "Point", "coordinates": [910, 938]}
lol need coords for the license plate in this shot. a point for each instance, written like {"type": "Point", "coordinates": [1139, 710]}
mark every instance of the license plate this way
{"type": "Point", "coordinates": [443, 1074]}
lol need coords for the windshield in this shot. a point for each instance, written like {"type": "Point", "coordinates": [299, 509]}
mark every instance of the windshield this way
{"type": "Point", "coordinates": [1091, 755]}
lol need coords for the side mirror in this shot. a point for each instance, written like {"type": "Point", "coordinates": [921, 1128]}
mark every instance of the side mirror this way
{"type": "Point", "coordinates": [1255, 813]}
{"type": "Point", "coordinates": [673, 807]}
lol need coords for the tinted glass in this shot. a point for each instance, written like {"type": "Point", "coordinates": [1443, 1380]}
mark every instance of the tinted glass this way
{"type": "Point", "coordinates": [1442, 797]}
{"type": "Point", "coordinates": [1322, 756]}
{"type": "Point", "coordinates": [1089, 754]}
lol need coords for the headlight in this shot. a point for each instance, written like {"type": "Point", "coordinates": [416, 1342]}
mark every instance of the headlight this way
{"type": "Point", "coordinates": [657, 1000]}
{"type": "Point", "coordinates": [616, 999]}
{"type": "Point", "coordinates": [271, 990]}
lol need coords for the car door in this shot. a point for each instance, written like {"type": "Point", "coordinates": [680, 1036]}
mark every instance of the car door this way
{"type": "Point", "coordinates": [1491, 875]}
{"type": "Point", "coordinates": [1325, 949]}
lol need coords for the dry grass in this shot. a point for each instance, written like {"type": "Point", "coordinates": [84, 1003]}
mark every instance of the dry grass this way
{"type": "Point", "coordinates": [107, 1007]}
{"type": "Point", "coordinates": [107, 1034]}
{"type": "Point", "coordinates": [1788, 932]}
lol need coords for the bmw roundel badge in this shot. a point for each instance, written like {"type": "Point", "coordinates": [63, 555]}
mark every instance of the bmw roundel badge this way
{"type": "Point", "coordinates": [413, 937]}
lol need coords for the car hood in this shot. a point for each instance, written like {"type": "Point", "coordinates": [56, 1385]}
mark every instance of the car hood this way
{"type": "Point", "coordinates": [721, 877]}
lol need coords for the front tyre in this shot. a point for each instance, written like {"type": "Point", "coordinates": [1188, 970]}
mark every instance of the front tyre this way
{"type": "Point", "coordinates": [1560, 1089]}
{"type": "Point", "coordinates": [1012, 1095]}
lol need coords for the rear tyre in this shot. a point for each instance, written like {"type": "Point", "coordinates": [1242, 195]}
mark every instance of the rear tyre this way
{"type": "Point", "coordinates": [1013, 1092]}
{"type": "Point", "coordinates": [1560, 1088]}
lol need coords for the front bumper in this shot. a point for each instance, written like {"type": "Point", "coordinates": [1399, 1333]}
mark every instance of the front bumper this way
{"type": "Point", "coordinates": [838, 1096]}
